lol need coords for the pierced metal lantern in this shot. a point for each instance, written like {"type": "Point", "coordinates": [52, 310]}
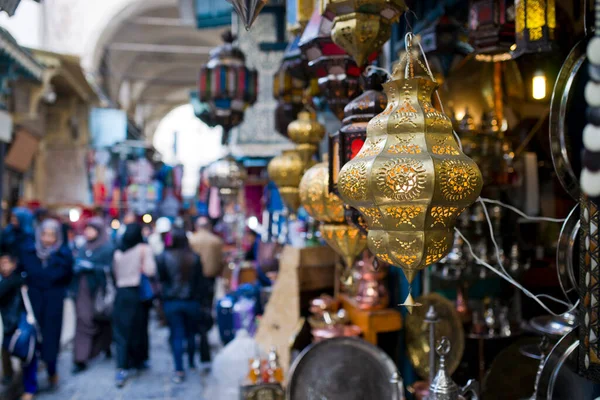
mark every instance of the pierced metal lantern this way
{"type": "Point", "coordinates": [227, 85]}
{"type": "Point", "coordinates": [492, 29]}
{"type": "Point", "coordinates": [315, 197]}
{"type": "Point", "coordinates": [248, 10]}
{"type": "Point", "coordinates": [228, 176]}
{"type": "Point", "coordinates": [362, 28]}
{"type": "Point", "coordinates": [307, 133]}
{"type": "Point", "coordinates": [535, 23]}
{"type": "Point", "coordinates": [347, 142]}
{"type": "Point", "coordinates": [410, 181]}
{"type": "Point", "coordinates": [286, 171]}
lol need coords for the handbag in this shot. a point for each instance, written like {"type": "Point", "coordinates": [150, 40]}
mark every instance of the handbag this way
{"type": "Point", "coordinates": [146, 289]}
{"type": "Point", "coordinates": [104, 300]}
{"type": "Point", "coordinates": [23, 341]}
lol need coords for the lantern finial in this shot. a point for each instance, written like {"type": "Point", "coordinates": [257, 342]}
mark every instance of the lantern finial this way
{"type": "Point", "coordinates": [248, 10]}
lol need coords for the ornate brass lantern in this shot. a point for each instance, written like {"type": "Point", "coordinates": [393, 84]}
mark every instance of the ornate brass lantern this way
{"type": "Point", "coordinates": [347, 241]}
{"type": "Point", "coordinates": [362, 28]}
{"type": "Point", "coordinates": [492, 29]}
{"type": "Point", "coordinates": [228, 176]}
{"type": "Point", "coordinates": [410, 180]}
{"type": "Point", "coordinates": [535, 24]}
{"type": "Point", "coordinates": [307, 133]}
{"type": "Point", "coordinates": [315, 197]}
{"type": "Point", "coordinates": [248, 10]}
{"type": "Point", "coordinates": [286, 171]}
{"type": "Point", "coordinates": [227, 85]}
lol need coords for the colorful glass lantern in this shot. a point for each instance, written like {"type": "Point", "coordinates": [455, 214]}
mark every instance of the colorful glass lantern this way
{"type": "Point", "coordinates": [248, 10]}
{"type": "Point", "coordinates": [286, 171]}
{"type": "Point", "coordinates": [345, 144]}
{"type": "Point", "coordinates": [492, 29]}
{"type": "Point", "coordinates": [227, 85]}
{"type": "Point", "coordinates": [228, 176]}
{"type": "Point", "coordinates": [410, 181]}
{"type": "Point", "coordinates": [535, 24]}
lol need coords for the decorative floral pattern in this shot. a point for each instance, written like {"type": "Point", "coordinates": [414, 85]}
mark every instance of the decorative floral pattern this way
{"type": "Point", "coordinates": [459, 180]}
{"type": "Point", "coordinates": [352, 182]}
{"type": "Point", "coordinates": [401, 179]}
{"type": "Point", "coordinates": [405, 215]}
{"type": "Point", "coordinates": [442, 215]}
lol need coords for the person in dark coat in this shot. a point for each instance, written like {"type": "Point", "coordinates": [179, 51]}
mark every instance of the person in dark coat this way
{"type": "Point", "coordinates": [93, 272]}
{"type": "Point", "coordinates": [20, 226]}
{"type": "Point", "coordinates": [48, 263]}
{"type": "Point", "coordinates": [12, 309]}
{"type": "Point", "coordinates": [184, 289]}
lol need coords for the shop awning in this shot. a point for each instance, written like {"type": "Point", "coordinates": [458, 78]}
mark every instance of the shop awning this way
{"type": "Point", "coordinates": [12, 52]}
{"type": "Point", "coordinates": [10, 6]}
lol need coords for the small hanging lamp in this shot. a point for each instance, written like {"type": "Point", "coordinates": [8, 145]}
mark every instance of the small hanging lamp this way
{"type": "Point", "coordinates": [307, 133]}
{"type": "Point", "coordinates": [492, 29]}
{"type": "Point", "coordinates": [286, 172]}
{"type": "Point", "coordinates": [227, 85]}
{"type": "Point", "coordinates": [535, 25]}
{"type": "Point", "coordinates": [228, 176]}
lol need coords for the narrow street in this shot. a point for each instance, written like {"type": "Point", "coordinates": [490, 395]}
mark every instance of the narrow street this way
{"type": "Point", "coordinates": [97, 383]}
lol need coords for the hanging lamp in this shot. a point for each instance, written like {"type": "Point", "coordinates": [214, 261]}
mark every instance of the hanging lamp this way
{"type": "Point", "coordinates": [410, 181]}
{"type": "Point", "coordinates": [227, 85]}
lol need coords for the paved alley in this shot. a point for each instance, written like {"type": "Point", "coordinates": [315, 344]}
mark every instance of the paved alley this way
{"type": "Point", "coordinates": [97, 383]}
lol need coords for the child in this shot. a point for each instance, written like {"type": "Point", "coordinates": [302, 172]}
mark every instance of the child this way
{"type": "Point", "coordinates": [11, 309]}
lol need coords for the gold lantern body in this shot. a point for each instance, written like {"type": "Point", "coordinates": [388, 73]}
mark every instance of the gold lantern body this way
{"type": "Point", "coordinates": [286, 171]}
{"type": "Point", "coordinates": [362, 27]}
{"type": "Point", "coordinates": [315, 197]}
{"type": "Point", "coordinates": [307, 133]}
{"type": "Point", "coordinates": [410, 180]}
{"type": "Point", "coordinates": [360, 34]}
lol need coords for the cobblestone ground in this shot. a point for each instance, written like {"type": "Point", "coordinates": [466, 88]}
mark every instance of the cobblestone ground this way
{"type": "Point", "coordinates": [97, 382]}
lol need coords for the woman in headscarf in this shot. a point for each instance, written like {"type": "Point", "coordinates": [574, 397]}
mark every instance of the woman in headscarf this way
{"type": "Point", "coordinates": [20, 226]}
{"type": "Point", "coordinates": [48, 262]}
{"type": "Point", "coordinates": [130, 317]}
{"type": "Point", "coordinates": [93, 276]}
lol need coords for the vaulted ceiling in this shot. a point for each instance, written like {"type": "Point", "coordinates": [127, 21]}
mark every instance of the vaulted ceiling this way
{"type": "Point", "coordinates": [149, 62]}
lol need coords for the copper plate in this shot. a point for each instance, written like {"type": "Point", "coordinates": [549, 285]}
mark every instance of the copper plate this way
{"type": "Point", "coordinates": [417, 333]}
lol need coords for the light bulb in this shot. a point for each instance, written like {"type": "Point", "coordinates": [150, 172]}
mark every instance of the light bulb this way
{"type": "Point", "coordinates": [74, 215]}
{"type": "Point", "coordinates": [115, 224]}
{"type": "Point", "coordinates": [147, 218]}
{"type": "Point", "coordinates": [539, 86]}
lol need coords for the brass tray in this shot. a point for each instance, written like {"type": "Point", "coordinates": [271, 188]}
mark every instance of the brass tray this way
{"type": "Point", "coordinates": [565, 255]}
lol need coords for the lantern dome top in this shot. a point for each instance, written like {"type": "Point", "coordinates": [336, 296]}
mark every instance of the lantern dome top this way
{"type": "Point", "coordinates": [227, 52]}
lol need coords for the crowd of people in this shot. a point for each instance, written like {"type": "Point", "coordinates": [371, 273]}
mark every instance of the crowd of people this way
{"type": "Point", "coordinates": [114, 278]}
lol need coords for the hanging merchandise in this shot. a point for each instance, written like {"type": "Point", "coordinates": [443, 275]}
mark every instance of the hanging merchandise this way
{"type": "Point", "coordinates": [362, 28]}
{"type": "Point", "coordinates": [535, 26]}
{"type": "Point", "coordinates": [248, 10]}
{"type": "Point", "coordinates": [227, 85]}
{"type": "Point", "coordinates": [492, 29]}
{"type": "Point", "coordinates": [307, 133]}
{"type": "Point", "coordinates": [346, 240]}
{"type": "Point", "coordinates": [347, 142]}
{"type": "Point", "coordinates": [315, 197]}
{"type": "Point", "coordinates": [289, 83]}
{"type": "Point", "coordinates": [286, 171]}
{"type": "Point", "coordinates": [336, 71]}
{"type": "Point", "coordinates": [410, 180]}
{"type": "Point", "coordinates": [228, 176]}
